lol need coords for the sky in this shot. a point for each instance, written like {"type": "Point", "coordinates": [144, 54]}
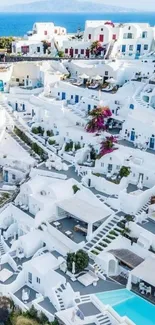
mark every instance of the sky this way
{"type": "Point", "coordinates": [140, 4]}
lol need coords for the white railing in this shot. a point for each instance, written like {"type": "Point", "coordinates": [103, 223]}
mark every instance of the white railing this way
{"type": "Point", "coordinates": [70, 244]}
{"type": "Point", "coordinates": [42, 309]}
{"type": "Point", "coordinates": [18, 302]}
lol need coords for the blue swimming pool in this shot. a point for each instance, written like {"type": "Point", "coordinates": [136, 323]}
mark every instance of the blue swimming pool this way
{"type": "Point", "coordinates": [126, 303]}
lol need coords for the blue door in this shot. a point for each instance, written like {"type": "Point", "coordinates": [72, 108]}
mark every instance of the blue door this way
{"type": "Point", "coordinates": [89, 108]}
{"type": "Point", "coordinates": [1, 85]}
{"type": "Point", "coordinates": [6, 178]}
{"type": "Point", "coordinates": [123, 48]}
{"type": "Point", "coordinates": [139, 48]}
{"type": "Point", "coordinates": [76, 98]}
{"type": "Point", "coordinates": [63, 96]}
{"type": "Point", "coordinates": [16, 106]}
{"type": "Point", "coordinates": [23, 107]}
{"type": "Point", "coordinates": [132, 138]}
{"type": "Point", "coordinates": [152, 143]}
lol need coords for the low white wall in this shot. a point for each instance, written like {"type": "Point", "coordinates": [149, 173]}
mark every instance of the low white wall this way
{"type": "Point", "coordinates": [47, 173]}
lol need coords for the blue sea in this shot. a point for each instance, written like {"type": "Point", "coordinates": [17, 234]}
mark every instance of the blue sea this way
{"type": "Point", "coordinates": [12, 24]}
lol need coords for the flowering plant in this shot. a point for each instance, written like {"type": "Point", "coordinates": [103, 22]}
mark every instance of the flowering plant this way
{"type": "Point", "coordinates": [97, 123]}
{"type": "Point", "coordinates": [107, 146]}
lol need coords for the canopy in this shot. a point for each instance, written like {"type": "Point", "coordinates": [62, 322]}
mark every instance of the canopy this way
{"type": "Point", "coordinates": [97, 77]}
{"type": "Point", "coordinates": [111, 80]}
{"type": "Point", "coordinates": [84, 76]}
{"type": "Point", "coordinates": [81, 210]}
{"type": "Point", "coordinates": [145, 271]}
{"type": "Point", "coordinates": [127, 257]}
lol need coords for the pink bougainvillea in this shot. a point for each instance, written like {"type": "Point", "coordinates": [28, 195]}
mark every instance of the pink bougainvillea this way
{"type": "Point", "coordinates": [97, 123]}
{"type": "Point", "coordinates": [107, 146]}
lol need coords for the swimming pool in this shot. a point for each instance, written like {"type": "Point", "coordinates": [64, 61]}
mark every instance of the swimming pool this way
{"type": "Point", "coordinates": [126, 303]}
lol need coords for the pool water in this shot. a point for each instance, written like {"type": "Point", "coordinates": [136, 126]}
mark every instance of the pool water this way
{"type": "Point", "coordinates": [126, 303]}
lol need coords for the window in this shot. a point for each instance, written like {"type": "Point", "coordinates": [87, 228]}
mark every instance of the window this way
{"type": "Point", "coordinates": [109, 167]}
{"type": "Point", "coordinates": [133, 175]}
{"type": "Point", "coordinates": [82, 51]}
{"type": "Point", "coordinates": [13, 176]}
{"type": "Point", "coordinates": [29, 277]}
{"type": "Point", "coordinates": [38, 280]}
{"type": "Point", "coordinates": [58, 94]}
{"type": "Point", "coordinates": [147, 178]}
{"type": "Point", "coordinates": [102, 164]}
{"type": "Point", "coordinates": [106, 73]}
{"type": "Point", "coordinates": [114, 36]}
{"type": "Point", "coordinates": [38, 49]}
{"type": "Point", "coordinates": [76, 51]}
{"type": "Point", "coordinates": [101, 29]}
{"type": "Point", "coordinates": [45, 32]}
{"type": "Point", "coordinates": [117, 167]}
{"type": "Point", "coordinates": [130, 47]}
{"type": "Point", "coordinates": [129, 27]}
{"type": "Point", "coordinates": [89, 36]}
{"type": "Point", "coordinates": [66, 51]}
{"type": "Point", "coordinates": [128, 36]}
{"type": "Point", "coordinates": [81, 137]}
{"type": "Point", "coordinates": [144, 35]}
{"type": "Point", "coordinates": [72, 96]}
{"type": "Point", "coordinates": [146, 47]}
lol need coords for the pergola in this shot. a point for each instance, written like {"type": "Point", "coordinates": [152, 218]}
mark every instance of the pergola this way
{"type": "Point", "coordinates": [79, 209]}
{"type": "Point", "coordinates": [127, 257]}
{"type": "Point", "coordinates": [144, 271]}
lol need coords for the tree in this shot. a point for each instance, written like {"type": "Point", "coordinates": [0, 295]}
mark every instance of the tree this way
{"type": "Point", "coordinates": [4, 315]}
{"type": "Point", "coordinates": [43, 318]}
{"type": "Point", "coordinates": [124, 171]}
{"type": "Point", "coordinates": [81, 260]}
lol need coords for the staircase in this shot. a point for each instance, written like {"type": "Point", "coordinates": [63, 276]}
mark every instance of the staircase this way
{"type": "Point", "coordinates": [100, 271]}
{"type": "Point", "coordinates": [103, 319]}
{"type": "Point", "coordinates": [105, 236]}
{"type": "Point", "coordinates": [109, 50]}
{"type": "Point", "coordinates": [2, 251]}
{"type": "Point", "coordinates": [58, 294]}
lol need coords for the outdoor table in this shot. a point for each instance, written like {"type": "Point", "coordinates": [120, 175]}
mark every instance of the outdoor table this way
{"type": "Point", "coordinates": [57, 224]}
{"type": "Point", "coordinates": [69, 233]}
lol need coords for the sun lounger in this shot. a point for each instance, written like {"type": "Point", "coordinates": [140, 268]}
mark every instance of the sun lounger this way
{"type": "Point", "coordinates": [88, 279]}
{"type": "Point", "coordinates": [94, 86]}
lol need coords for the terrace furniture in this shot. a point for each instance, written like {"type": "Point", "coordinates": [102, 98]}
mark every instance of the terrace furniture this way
{"type": "Point", "coordinates": [80, 228]}
{"type": "Point", "coordinates": [148, 290]}
{"type": "Point", "coordinates": [88, 279]}
{"type": "Point", "coordinates": [57, 224]}
{"type": "Point", "coordinates": [25, 296]}
{"type": "Point", "coordinates": [69, 233]}
{"type": "Point", "coordinates": [93, 86]}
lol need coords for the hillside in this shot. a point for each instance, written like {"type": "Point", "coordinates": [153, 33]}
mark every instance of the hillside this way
{"type": "Point", "coordinates": [62, 6]}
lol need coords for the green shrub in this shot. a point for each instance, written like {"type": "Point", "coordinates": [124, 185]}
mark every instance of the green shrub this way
{"type": "Point", "coordinates": [50, 133]}
{"type": "Point", "coordinates": [107, 240]}
{"type": "Point", "coordinates": [97, 174]}
{"type": "Point", "coordinates": [124, 171]}
{"type": "Point", "coordinates": [99, 248]}
{"type": "Point", "coordinates": [35, 130]}
{"type": "Point", "coordinates": [51, 142]}
{"type": "Point", "coordinates": [102, 244]}
{"type": "Point", "coordinates": [77, 146]}
{"type": "Point", "coordinates": [94, 252]}
{"type": "Point", "coordinates": [69, 146]}
{"type": "Point", "coordinates": [75, 188]}
{"type": "Point", "coordinates": [81, 260]}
